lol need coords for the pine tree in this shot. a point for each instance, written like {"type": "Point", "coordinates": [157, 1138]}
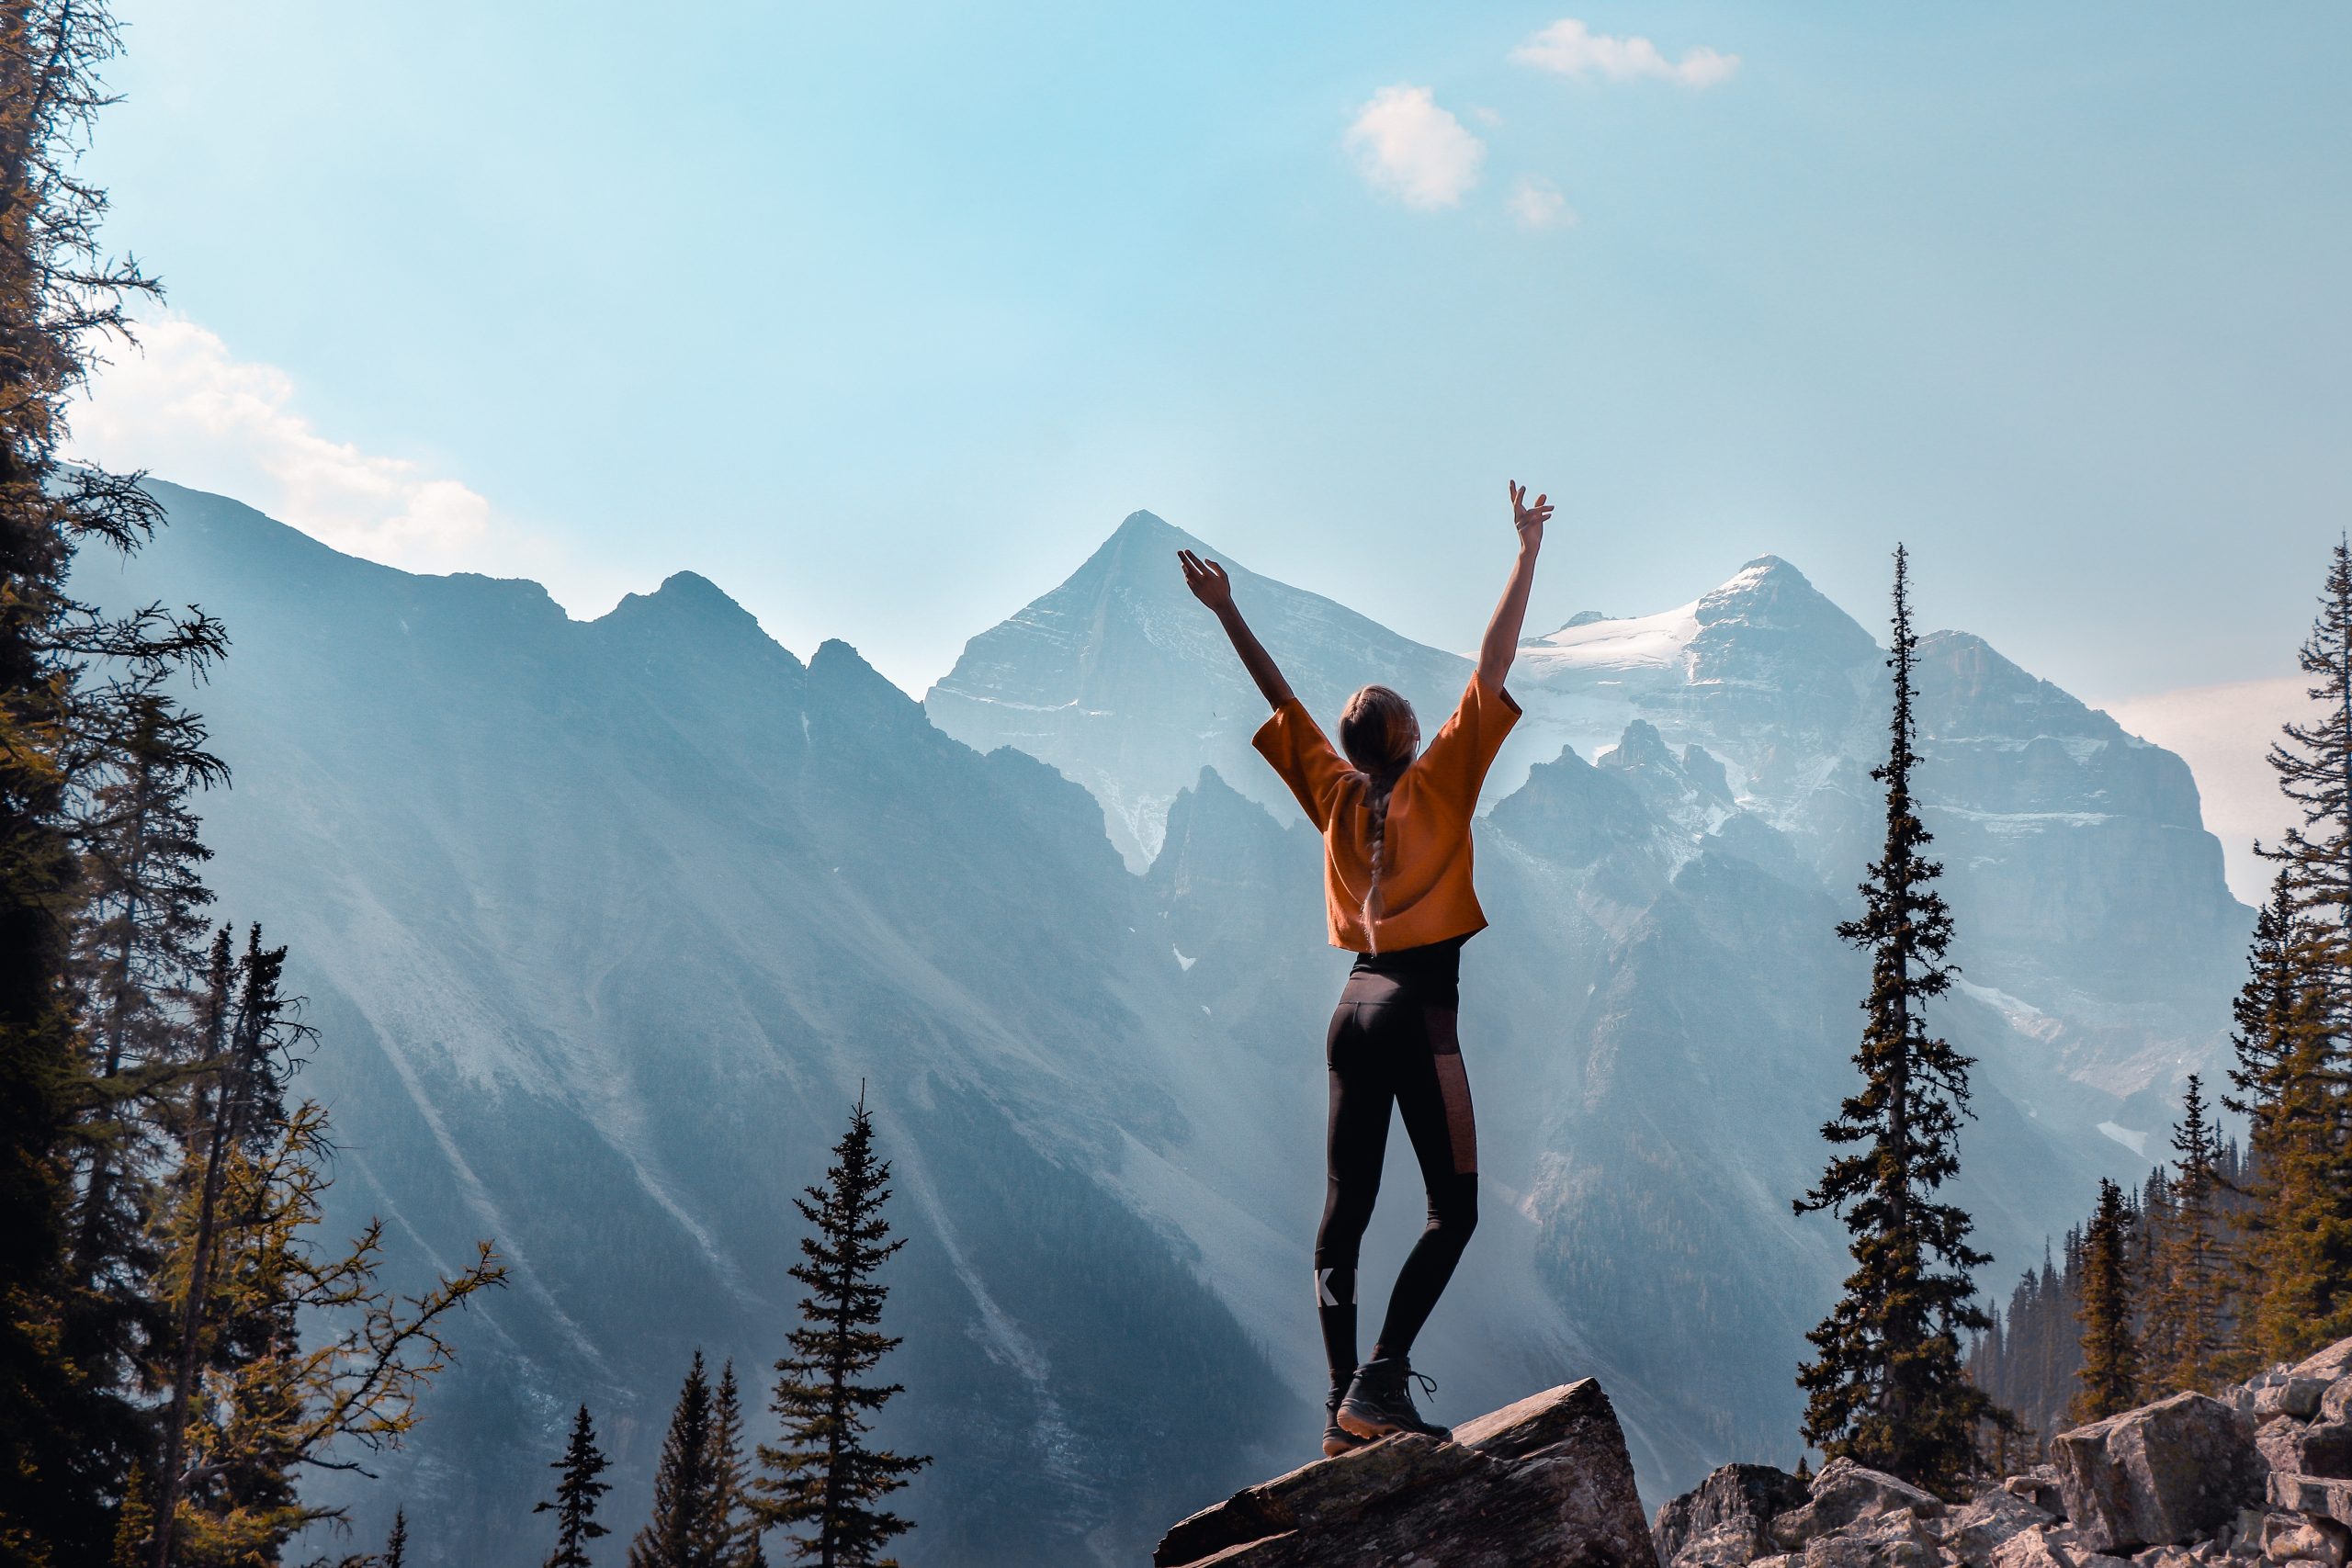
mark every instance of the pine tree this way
{"type": "Point", "coordinates": [685, 1529]}
{"type": "Point", "coordinates": [734, 1519]}
{"type": "Point", "coordinates": [2301, 1114]}
{"type": "Point", "coordinates": [576, 1491]}
{"type": "Point", "coordinates": [1889, 1389]}
{"type": "Point", "coordinates": [2294, 1233]}
{"type": "Point", "coordinates": [396, 1543]}
{"type": "Point", "coordinates": [59, 298]}
{"type": "Point", "coordinates": [822, 1482]}
{"type": "Point", "coordinates": [2185, 1284]}
{"type": "Point", "coordinates": [2111, 1374]}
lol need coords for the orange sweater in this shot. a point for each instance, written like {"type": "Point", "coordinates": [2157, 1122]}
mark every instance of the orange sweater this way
{"type": "Point", "coordinates": [1425, 891]}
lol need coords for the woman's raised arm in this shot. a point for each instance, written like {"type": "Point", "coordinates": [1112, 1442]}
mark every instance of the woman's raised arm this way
{"type": "Point", "coordinates": [1210, 586]}
{"type": "Point", "coordinates": [1501, 643]}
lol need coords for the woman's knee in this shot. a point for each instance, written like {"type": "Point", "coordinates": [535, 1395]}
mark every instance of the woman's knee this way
{"type": "Point", "coordinates": [1453, 1206]}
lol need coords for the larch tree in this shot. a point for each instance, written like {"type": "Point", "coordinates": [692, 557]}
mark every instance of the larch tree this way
{"type": "Point", "coordinates": [2110, 1374]}
{"type": "Point", "coordinates": [823, 1484]}
{"type": "Point", "coordinates": [579, 1484]}
{"type": "Point", "coordinates": [1889, 1389]}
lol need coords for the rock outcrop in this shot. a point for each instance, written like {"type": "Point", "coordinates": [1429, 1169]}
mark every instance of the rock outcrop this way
{"type": "Point", "coordinates": [1545, 1481]}
{"type": "Point", "coordinates": [2260, 1476]}
{"type": "Point", "coordinates": [2175, 1471]}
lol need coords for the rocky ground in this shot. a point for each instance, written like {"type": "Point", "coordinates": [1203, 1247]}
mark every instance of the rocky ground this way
{"type": "Point", "coordinates": [2261, 1474]}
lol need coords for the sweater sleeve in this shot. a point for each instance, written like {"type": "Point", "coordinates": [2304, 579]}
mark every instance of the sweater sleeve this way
{"type": "Point", "coordinates": [1296, 746]}
{"type": "Point", "coordinates": [1455, 764]}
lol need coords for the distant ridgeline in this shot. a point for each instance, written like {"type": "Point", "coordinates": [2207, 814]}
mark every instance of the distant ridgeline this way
{"type": "Point", "coordinates": [604, 924]}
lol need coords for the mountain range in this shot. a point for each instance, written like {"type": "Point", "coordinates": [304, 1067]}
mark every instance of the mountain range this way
{"type": "Point", "coordinates": [604, 924]}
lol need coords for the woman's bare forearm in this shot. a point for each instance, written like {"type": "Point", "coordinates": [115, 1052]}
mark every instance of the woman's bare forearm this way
{"type": "Point", "coordinates": [1254, 657]}
{"type": "Point", "coordinates": [1501, 644]}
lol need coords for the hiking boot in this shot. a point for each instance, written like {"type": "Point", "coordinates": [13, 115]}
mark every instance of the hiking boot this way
{"type": "Point", "coordinates": [1380, 1402]}
{"type": "Point", "coordinates": [1338, 1439]}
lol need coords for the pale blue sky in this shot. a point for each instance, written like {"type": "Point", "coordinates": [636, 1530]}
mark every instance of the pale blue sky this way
{"type": "Point", "coordinates": [883, 315]}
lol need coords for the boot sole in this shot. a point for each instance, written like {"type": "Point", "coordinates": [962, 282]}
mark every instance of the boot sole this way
{"type": "Point", "coordinates": [1370, 1431]}
{"type": "Point", "coordinates": [1334, 1447]}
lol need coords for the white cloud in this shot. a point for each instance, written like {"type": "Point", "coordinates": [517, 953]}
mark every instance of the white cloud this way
{"type": "Point", "coordinates": [1538, 204]}
{"type": "Point", "coordinates": [186, 409]}
{"type": "Point", "coordinates": [1571, 49]}
{"type": "Point", "coordinates": [1409, 148]}
{"type": "Point", "coordinates": [2223, 732]}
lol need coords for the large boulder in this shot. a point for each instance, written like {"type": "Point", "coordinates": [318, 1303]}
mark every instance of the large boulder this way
{"type": "Point", "coordinates": [1725, 1521]}
{"type": "Point", "coordinates": [1545, 1481]}
{"type": "Point", "coordinates": [1843, 1492]}
{"type": "Point", "coordinates": [2159, 1475]}
{"type": "Point", "coordinates": [2051, 1546]}
{"type": "Point", "coordinates": [2294, 1394]}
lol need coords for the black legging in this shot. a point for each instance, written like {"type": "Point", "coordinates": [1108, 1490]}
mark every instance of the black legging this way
{"type": "Point", "coordinates": [1392, 1041]}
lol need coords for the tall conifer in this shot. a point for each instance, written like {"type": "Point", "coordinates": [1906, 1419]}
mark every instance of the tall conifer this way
{"type": "Point", "coordinates": [396, 1543]}
{"type": "Point", "coordinates": [1889, 1389]}
{"type": "Point", "coordinates": [2295, 1070]}
{"type": "Point", "coordinates": [822, 1482]}
{"type": "Point", "coordinates": [578, 1486]}
{"type": "Point", "coordinates": [2111, 1374]}
{"type": "Point", "coordinates": [688, 1503]}
{"type": "Point", "coordinates": [2184, 1292]}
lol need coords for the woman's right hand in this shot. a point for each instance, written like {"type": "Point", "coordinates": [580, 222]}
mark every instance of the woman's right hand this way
{"type": "Point", "coordinates": [1207, 580]}
{"type": "Point", "coordinates": [1529, 520]}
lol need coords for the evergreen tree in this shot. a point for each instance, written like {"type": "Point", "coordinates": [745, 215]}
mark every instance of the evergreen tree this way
{"type": "Point", "coordinates": [734, 1518]}
{"type": "Point", "coordinates": [576, 1490]}
{"type": "Point", "coordinates": [2294, 1242]}
{"type": "Point", "coordinates": [396, 1543]}
{"type": "Point", "coordinates": [60, 1466]}
{"type": "Point", "coordinates": [822, 1484]}
{"type": "Point", "coordinates": [2111, 1374]}
{"type": "Point", "coordinates": [2298, 1065]}
{"type": "Point", "coordinates": [2185, 1284]}
{"type": "Point", "coordinates": [1889, 1389]}
{"type": "Point", "coordinates": [687, 1528]}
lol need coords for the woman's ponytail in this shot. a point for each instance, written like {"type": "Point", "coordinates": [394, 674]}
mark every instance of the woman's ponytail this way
{"type": "Point", "coordinates": [1379, 734]}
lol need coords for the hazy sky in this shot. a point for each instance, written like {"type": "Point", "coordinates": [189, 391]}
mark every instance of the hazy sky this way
{"type": "Point", "coordinates": [883, 315]}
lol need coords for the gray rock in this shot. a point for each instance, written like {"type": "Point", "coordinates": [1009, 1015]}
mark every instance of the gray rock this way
{"type": "Point", "coordinates": [2335, 1405]}
{"type": "Point", "coordinates": [2320, 1497]}
{"type": "Point", "coordinates": [1724, 1522]}
{"type": "Point", "coordinates": [2288, 1539]}
{"type": "Point", "coordinates": [1975, 1532]}
{"type": "Point", "coordinates": [2329, 1365]}
{"type": "Point", "coordinates": [2051, 1546]}
{"type": "Point", "coordinates": [2159, 1475]}
{"type": "Point", "coordinates": [2298, 1396]}
{"type": "Point", "coordinates": [2166, 1557]}
{"type": "Point", "coordinates": [1843, 1492]}
{"type": "Point", "coordinates": [2322, 1447]}
{"type": "Point", "coordinates": [2040, 1487]}
{"type": "Point", "coordinates": [1546, 1479]}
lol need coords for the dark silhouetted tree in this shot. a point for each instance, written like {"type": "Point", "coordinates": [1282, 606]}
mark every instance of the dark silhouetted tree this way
{"type": "Point", "coordinates": [577, 1488]}
{"type": "Point", "coordinates": [686, 1529]}
{"type": "Point", "coordinates": [821, 1484]}
{"type": "Point", "coordinates": [396, 1543]}
{"type": "Point", "coordinates": [1889, 1389]}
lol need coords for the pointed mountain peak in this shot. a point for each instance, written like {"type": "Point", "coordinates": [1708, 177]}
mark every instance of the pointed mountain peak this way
{"type": "Point", "coordinates": [1143, 541]}
{"type": "Point", "coordinates": [1767, 595]}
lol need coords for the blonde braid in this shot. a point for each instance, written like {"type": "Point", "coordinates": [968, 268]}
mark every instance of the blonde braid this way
{"type": "Point", "coordinates": [1376, 794]}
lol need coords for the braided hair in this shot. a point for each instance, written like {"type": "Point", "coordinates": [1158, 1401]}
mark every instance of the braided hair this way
{"type": "Point", "coordinates": [1379, 733]}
